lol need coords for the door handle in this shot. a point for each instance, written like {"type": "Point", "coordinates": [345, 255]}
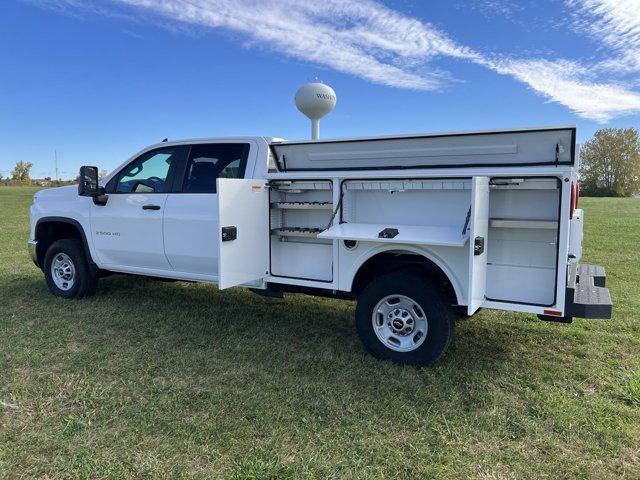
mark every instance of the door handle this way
{"type": "Point", "coordinates": [151, 207]}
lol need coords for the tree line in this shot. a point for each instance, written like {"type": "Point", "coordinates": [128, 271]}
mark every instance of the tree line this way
{"type": "Point", "coordinates": [21, 175]}
{"type": "Point", "coordinates": [609, 165]}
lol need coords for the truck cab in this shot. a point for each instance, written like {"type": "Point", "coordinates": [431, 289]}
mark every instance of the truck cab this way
{"type": "Point", "coordinates": [159, 216]}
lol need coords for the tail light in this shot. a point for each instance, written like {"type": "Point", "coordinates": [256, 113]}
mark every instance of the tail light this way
{"type": "Point", "coordinates": [575, 195]}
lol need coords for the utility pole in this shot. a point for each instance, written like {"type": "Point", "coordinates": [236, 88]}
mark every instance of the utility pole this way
{"type": "Point", "coordinates": [55, 156]}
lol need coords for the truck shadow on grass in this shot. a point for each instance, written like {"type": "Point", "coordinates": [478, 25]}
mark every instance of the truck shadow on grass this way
{"type": "Point", "coordinates": [132, 303]}
{"type": "Point", "coordinates": [277, 331]}
{"type": "Point", "coordinates": [300, 324]}
{"type": "Point", "coordinates": [309, 336]}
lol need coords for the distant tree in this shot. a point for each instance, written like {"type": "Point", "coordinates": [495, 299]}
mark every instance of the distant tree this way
{"type": "Point", "coordinates": [610, 163]}
{"type": "Point", "coordinates": [103, 174]}
{"type": "Point", "coordinates": [20, 173]}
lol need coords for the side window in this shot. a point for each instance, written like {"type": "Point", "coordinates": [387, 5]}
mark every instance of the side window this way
{"type": "Point", "coordinates": [208, 162]}
{"type": "Point", "coordinates": [148, 173]}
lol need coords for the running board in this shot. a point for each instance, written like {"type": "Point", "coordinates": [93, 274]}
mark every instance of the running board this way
{"type": "Point", "coordinates": [586, 295]}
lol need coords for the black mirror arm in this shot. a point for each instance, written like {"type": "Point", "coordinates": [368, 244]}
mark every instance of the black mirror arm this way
{"type": "Point", "coordinates": [101, 198]}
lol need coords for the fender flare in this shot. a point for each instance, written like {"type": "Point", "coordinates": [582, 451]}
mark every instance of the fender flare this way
{"type": "Point", "coordinates": [426, 253]}
{"type": "Point", "coordinates": [70, 221]}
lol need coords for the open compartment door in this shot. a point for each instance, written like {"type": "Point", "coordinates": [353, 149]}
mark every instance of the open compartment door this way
{"type": "Point", "coordinates": [243, 232]}
{"type": "Point", "coordinates": [479, 228]}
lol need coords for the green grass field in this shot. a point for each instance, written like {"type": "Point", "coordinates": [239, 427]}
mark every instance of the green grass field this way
{"type": "Point", "coordinates": [176, 380]}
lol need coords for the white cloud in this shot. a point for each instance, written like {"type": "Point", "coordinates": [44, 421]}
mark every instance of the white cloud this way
{"type": "Point", "coordinates": [362, 38]}
{"type": "Point", "coordinates": [369, 40]}
{"type": "Point", "coordinates": [616, 24]}
{"type": "Point", "coordinates": [505, 9]}
{"type": "Point", "coordinates": [78, 7]}
{"type": "Point", "coordinates": [569, 84]}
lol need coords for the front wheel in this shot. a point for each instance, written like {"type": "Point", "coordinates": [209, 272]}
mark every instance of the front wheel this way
{"type": "Point", "coordinates": [404, 318]}
{"type": "Point", "coordinates": [67, 271]}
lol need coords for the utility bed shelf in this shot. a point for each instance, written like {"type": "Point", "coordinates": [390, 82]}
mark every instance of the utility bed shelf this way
{"type": "Point", "coordinates": [302, 205]}
{"type": "Point", "coordinates": [522, 223]}
{"type": "Point", "coordinates": [300, 186]}
{"type": "Point", "coordinates": [444, 236]}
{"type": "Point", "coordinates": [296, 232]}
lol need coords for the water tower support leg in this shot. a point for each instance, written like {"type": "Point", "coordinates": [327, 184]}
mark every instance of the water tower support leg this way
{"type": "Point", "coordinates": [315, 129]}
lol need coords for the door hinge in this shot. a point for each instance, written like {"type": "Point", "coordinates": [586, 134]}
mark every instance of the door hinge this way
{"type": "Point", "coordinates": [229, 233]}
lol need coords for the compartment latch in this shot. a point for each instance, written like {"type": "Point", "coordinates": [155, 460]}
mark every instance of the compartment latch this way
{"type": "Point", "coordinates": [229, 233]}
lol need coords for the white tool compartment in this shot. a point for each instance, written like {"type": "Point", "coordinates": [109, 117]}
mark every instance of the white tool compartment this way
{"type": "Point", "coordinates": [522, 248]}
{"type": "Point", "coordinates": [299, 211]}
{"type": "Point", "coordinates": [430, 212]}
{"type": "Point", "coordinates": [498, 236]}
{"type": "Point", "coordinates": [425, 216]}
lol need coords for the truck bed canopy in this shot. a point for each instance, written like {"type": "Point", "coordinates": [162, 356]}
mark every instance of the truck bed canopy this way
{"type": "Point", "coordinates": [523, 147]}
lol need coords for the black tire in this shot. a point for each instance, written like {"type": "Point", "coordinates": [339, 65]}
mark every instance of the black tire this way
{"type": "Point", "coordinates": [85, 277]}
{"type": "Point", "coordinates": [434, 306]}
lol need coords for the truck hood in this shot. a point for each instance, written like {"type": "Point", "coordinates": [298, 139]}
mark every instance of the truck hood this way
{"type": "Point", "coordinates": [68, 191]}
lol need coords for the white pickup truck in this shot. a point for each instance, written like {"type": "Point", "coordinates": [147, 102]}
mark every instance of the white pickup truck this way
{"type": "Point", "coordinates": [417, 228]}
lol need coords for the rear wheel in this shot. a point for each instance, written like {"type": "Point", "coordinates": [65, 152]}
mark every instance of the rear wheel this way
{"type": "Point", "coordinates": [404, 318]}
{"type": "Point", "coordinates": [67, 271]}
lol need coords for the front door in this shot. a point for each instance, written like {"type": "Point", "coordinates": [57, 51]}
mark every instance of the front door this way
{"type": "Point", "coordinates": [127, 231]}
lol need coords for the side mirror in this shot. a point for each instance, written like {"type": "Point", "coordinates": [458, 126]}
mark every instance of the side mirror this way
{"type": "Point", "coordinates": [88, 186]}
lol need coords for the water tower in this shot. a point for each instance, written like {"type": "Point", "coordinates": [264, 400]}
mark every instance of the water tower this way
{"type": "Point", "coordinates": [315, 100]}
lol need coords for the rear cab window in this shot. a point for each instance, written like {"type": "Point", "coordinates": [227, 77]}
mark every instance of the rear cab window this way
{"type": "Point", "coordinates": [208, 162]}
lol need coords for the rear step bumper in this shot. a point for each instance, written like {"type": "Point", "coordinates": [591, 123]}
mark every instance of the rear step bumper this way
{"type": "Point", "coordinates": [586, 295]}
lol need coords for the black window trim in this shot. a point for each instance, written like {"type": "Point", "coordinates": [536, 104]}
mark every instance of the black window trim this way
{"type": "Point", "coordinates": [180, 176]}
{"type": "Point", "coordinates": [111, 185]}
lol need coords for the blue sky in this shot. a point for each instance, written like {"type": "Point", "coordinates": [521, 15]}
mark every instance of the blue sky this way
{"type": "Point", "coordinates": [97, 80]}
